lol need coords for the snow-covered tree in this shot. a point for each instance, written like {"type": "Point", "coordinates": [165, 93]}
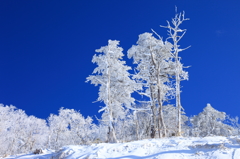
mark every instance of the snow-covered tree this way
{"type": "Point", "coordinates": [154, 65]}
{"type": "Point", "coordinates": [176, 34]}
{"type": "Point", "coordinates": [70, 127]}
{"type": "Point", "coordinates": [20, 133]}
{"type": "Point", "coordinates": [210, 122]}
{"type": "Point", "coordinates": [82, 130]}
{"type": "Point", "coordinates": [170, 118]}
{"type": "Point", "coordinates": [233, 122]}
{"type": "Point", "coordinates": [115, 84]}
{"type": "Point", "coordinates": [143, 124]}
{"type": "Point", "coordinates": [59, 130]}
{"type": "Point", "coordinates": [34, 135]}
{"type": "Point", "coordinates": [7, 138]}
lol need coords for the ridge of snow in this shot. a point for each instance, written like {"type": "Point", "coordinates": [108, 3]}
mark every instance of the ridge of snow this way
{"type": "Point", "coordinates": [218, 147]}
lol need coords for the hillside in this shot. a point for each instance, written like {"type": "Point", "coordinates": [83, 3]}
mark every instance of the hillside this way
{"type": "Point", "coordinates": [167, 148]}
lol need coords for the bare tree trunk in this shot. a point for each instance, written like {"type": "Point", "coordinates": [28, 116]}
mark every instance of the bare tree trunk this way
{"type": "Point", "coordinates": [153, 124]}
{"type": "Point", "coordinates": [137, 126]}
{"type": "Point", "coordinates": [161, 119]}
{"type": "Point", "coordinates": [49, 140]}
{"type": "Point", "coordinates": [111, 134]}
{"type": "Point", "coordinates": [159, 127]}
{"type": "Point", "coordinates": [160, 100]}
{"type": "Point", "coordinates": [123, 134]}
{"type": "Point", "coordinates": [178, 103]}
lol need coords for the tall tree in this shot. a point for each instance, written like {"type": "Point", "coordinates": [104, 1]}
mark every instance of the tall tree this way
{"type": "Point", "coordinates": [176, 34]}
{"type": "Point", "coordinates": [115, 85]}
{"type": "Point", "coordinates": [153, 58]}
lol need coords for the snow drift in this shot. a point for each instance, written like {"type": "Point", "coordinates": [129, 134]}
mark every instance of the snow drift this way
{"type": "Point", "coordinates": [167, 148]}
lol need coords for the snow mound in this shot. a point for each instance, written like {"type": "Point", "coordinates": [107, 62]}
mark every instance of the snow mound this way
{"type": "Point", "coordinates": [167, 148]}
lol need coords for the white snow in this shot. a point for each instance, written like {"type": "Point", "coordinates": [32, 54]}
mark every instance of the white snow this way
{"type": "Point", "coordinates": [216, 147]}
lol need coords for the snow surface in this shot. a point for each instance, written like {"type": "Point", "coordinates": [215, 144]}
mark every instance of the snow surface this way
{"type": "Point", "coordinates": [215, 147]}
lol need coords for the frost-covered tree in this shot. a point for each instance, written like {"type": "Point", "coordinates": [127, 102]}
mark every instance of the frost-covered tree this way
{"type": "Point", "coordinates": [82, 130]}
{"type": "Point", "coordinates": [233, 122]}
{"type": "Point", "coordinates": [8, 126]}
{"type": "Point", "coordinates": [70, 127]}
{"type": "Point", "coordinates": [154, 65]}
{"type": "Point", "coordinates": [176, 34]}
{"type": "Point", "coordinates": [125, 128]}
{"type": "Point", "coordinates": [35, 134]}
{"type": "Point", "coordinates": [59, 130]}
{"type": "Point", "coordinates": [210, 122]}
{"type": "Point", "coordinates": [20, 133]}
{"type": "Point", "coordinates": [170, 118]}
{"type": "Point", "coordinates": [115, 84]}
{"type": "Point", "coordinates": [143, 124]}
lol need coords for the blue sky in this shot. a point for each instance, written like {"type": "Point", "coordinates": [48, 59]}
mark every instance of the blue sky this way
{"type": "Point", "coordinates": [46, 49]}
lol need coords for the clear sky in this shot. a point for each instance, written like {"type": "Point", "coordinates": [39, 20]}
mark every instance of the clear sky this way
{"type": "Point", "coordinates": [46, 48]}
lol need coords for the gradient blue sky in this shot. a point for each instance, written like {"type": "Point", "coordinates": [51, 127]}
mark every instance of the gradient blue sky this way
{"type": "Point", "coordinates": [46, 49]}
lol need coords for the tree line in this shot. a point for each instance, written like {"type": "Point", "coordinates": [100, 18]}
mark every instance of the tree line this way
{"type": "Point", "coordinates": [20, 133]}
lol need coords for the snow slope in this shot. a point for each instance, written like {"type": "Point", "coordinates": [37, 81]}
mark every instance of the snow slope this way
{"type": "Point", "coordinates": [215, 147]}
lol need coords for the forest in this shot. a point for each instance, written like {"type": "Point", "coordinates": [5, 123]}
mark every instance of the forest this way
{"type": "Point", "coordinates": [155, 111]}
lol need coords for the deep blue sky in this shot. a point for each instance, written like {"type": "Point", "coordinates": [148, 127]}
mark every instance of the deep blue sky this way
{"type": "Point", "coordinates": [46, 49]}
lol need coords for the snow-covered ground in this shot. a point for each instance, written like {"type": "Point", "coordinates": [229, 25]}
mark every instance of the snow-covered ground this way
{"type": "Point", "coordinates": [216, 147]}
